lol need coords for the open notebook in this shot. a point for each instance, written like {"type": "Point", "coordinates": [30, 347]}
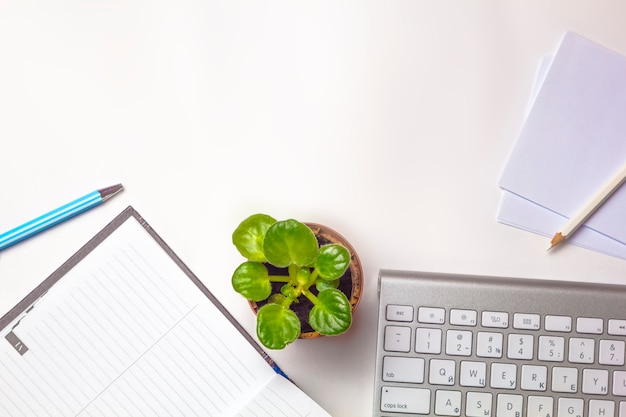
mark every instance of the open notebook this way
{"type": "Point", "coordinates": [124, 328]}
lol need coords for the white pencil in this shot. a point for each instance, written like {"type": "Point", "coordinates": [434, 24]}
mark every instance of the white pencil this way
{"type": "Point", "coordinates": [589, 208]}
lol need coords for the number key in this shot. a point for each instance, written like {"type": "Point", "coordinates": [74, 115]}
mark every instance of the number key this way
{"type": "Point", "coordinates": [489, 345]}
{"type": "Point", "coordinates": [520, 346]}
{"type": "Point", "coordinates": [581, 350]}
{"type": "Point", "coordinates": [551, 348]}
{"type": "Point", "coordinates": [459, 342]}
{"type": "Point", "coordinates": [612, 352]}
{"type": "Point", "coordinates": [428, 341]}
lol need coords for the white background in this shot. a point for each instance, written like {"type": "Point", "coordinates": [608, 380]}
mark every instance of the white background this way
{"type": "Point", "coordinates": [388, 121]}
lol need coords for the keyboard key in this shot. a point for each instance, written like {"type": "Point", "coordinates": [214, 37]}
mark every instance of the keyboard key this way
{"type": "Point", "coordinates": [540, 406]}
{"type": "Point", "coordinates": [402, 369]}
{"type": "Point", "coordinates": [478, 404]}
{"type": "Point", "coordinates": [601, 408]}
{"type": "Point", "coordinates": [526, 321]}
{"type": "Point", "coordinates": [431, 315]}
{"type": "Point", "coordinates": [534, 377]}
{"type": "Point", "coordinates": [448, 403]}
{"type": "Point", "coordinates": [428, 341]}
{"type": "Point", "coordinates": [497, 319]}
{"type": "Point", "coordinates": [589, 325]}
{"type": "Point", "coordinates": [581, 350]}
{"type": "Point", "coordinates": [565, 380]}
{"type": "Point", "coordinates": [459, 342]}
{"type": "Point", "coordinates": [473, 374]}
{"type": "Point", "coordinates": [611, 352]}
{"type": "Point", "coordinates": [503, 375]}
{"type": "Point", "coordinates": [463, 317]}
{"type": "Point", "coordinates": [570, 407]}
{"type": "Point", "coordinates": [489, 345]}
{"type": "Point", "coordinates": [397, 339]}
{"type": "Point", "coordinates": [619, 383]}
{"type": "Point", "coordinates": [520, 346]}
{"type": "Point", "coordinates": [558, 324]}
{"type": "Point", "coordinates": [617, 327]}
{"type": "Point", "coordinates": [551, 348]}
{"type": "Point", "coordinates": [509, 405]}
{"type": "Point", "coordinates": [595, 381]}
{"type": "Point", "coordinates": [399, 313]}
{"type": "Point", "coordinates": [405, 400]}
{"type": "Point", "coordinates": [442, 372]}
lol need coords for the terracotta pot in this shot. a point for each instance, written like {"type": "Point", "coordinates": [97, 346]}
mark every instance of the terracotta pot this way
{"type": "Point", "coordinates": [351, 282]}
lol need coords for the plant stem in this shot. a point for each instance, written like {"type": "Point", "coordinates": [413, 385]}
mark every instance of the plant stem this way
{"type": "Point", "coordinates": [287, 302]}
{"type": "Point", "coordinates": [314, 276]}
{"type": "Point", "coordinates": [308, 294]}
{"type": "Point", "coordinates": [279, 278]}
{"type": "Point", "coordinates": [293, 271]}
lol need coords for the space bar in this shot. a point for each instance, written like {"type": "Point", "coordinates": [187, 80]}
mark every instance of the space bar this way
{"type": "Point", "coordinates": [405, 400]}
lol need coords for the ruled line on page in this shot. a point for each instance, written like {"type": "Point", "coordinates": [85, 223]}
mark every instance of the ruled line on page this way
{"type": "Point", "coordinates": [196, 379]}
{"type": "Point", "coordinates": [271, 402]}
{"type": "Point", "coordinates": [148, 351]}
{"type": "Point", "coordinates": [154, 273]}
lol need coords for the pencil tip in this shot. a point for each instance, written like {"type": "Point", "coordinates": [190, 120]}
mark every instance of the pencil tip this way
{"type": "Point", "coordinates": [557, 239]}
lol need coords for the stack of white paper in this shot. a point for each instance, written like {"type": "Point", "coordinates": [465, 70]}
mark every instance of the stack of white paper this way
{"type": "Point", "coordinates": [572, 142]}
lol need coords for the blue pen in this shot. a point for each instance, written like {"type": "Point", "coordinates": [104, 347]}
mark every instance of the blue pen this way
{"type": "Point", "coordinates": [58, 215]}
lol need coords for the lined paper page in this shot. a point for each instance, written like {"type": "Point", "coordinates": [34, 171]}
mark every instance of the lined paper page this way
{"type": "Point", "coordinates": [126, 332]}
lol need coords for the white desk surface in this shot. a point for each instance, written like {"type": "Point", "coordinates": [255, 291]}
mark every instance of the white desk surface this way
{"type": "Point", "coordinates": [388, 121]}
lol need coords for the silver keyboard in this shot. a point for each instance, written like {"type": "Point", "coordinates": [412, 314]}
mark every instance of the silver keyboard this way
{"type": "Point", "coordinates": [457, 345]}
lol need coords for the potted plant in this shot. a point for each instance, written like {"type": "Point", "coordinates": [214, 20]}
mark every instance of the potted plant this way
{"type": "Point", "coordinates": [300, 283]}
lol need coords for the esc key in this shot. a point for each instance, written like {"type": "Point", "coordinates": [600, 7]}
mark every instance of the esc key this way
{"type": "Point", "coordinates": [399, 313]}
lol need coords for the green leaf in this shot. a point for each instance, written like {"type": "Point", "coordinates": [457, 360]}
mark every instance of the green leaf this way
{"type": "Point", "coordinates": [277, 326]}
{"type": "Point", "coordinates": [276, 298]}
{"type": "Point", "coordinates": [248, 237]}
{"type": "Point", "coordinates": [290, 242]}
{"type": "Point", "coordinates": [289, 291]}
{"type": "Point", "coordinates": [331, 315]}
{"type": "Point", "coordinates": [332, 261]}
{"type": "Point", "coordinates": [303, 276]}
{"type": "Point", "coordinates": [251, 280]}
{"type": "Point", "coordinates": [323, 284]}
